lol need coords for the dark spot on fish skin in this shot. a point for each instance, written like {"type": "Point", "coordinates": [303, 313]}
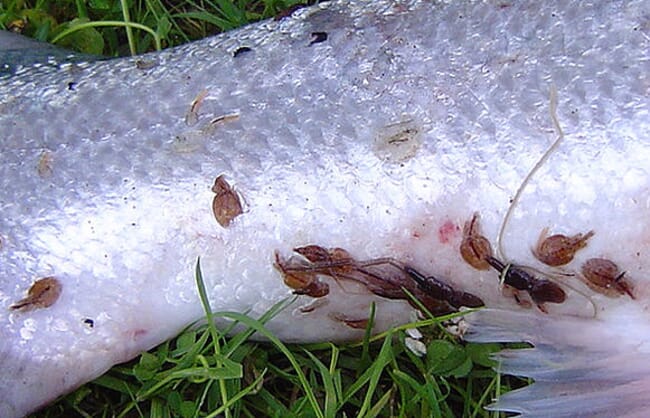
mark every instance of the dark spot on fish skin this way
{"type": "Point", "coordinates": [42, 294]}
{"type": "Point", "coordinates": [318, 37]}
{"type": "Point", "coordinates": [138, 333]}
{"type": "Point", "coordinates": [45, 163]}
{"type": "Point", "coordinates": [89, 322]}
{"type": "Point", "coordinates": [145, 65]}
{"type": "Point", "coordinates": [226, 205]}
{"type": "Point", "coordinates": [240, 51]}
{"type": "Point", "coordinates": [72, 85]}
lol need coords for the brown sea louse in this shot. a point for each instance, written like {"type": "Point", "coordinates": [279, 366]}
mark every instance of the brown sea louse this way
{"type": "Point", "coordinates": [43, 293]}
{"type": "Point", "coordinates": [605, 277]}
{"type": "Point", "coordinates": [226, 205]}
{"type": "Point", "coordinates": [475, 248]}
{"type": "Point", "coordinates": [558, 250]}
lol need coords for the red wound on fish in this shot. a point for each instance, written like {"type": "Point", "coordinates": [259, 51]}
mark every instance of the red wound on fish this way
{"type": "Point", "coordinates": [558, 250]}
{"type": "Point", "coordinates": [447, 231]}
{"type": "Point", "coordinates": [226, 205]}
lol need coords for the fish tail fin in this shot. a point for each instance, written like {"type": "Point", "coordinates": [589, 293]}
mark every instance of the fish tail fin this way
{"type": "Point", "coordinates": [581, 366]}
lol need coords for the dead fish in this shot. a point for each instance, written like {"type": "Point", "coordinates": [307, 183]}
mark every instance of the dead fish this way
{"type": "Point", "coordinates": [384, 139]}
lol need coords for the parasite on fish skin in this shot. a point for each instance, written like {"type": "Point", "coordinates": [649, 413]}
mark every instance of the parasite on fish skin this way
{"type": "Point", "coordinates": [351, 322]}
{"type": "Point", "coordinates": [226, 205]}
{"type": "Point", "coordinates": [192, 115]}
{"type": "Point", "coordinates": [324, 154]}
{"type": "Point", "coordinates": [558, 250]}
{"type": "Point", "coordinates": [440, 290]}
{"type": "Point", "coordinates": [385, 277]}
{"type": "Point", "coordinates": [475, 248]}
{"type": "Point", "coordinates": [605, 277]}
{"type": "Point", "coordinates": [42, 294]}
{"type": "Point", "coordinates": [541, 291]}
{"type": "Point", "coordinates": [141, 64]}
{"type": "Point", "coordinates": [303, 281]}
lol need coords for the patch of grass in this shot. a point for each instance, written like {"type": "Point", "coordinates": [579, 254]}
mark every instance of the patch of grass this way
{"type": "Point", "coordinates": [128, 27]}
{"type": "Point", "coordinates": [210, 372]}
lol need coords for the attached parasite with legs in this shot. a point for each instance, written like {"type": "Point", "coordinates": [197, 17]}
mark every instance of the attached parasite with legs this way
{"type": "Point", "coordinates": [385, 277]}
{"type": "Point", "coordinates": [226, 204]}
{"type": "Point", "coordinates": [604, 276]}
{"type": "Point", "coordinates": [42, 294]}
{"type": "Point", "coordinates": [541, 291]}
{"type": "Point", "coordinates": [441, 290]}
{"type": "Point", "coordinates": [475, 248]}
{"type": "Point", "coordinates": [558, 250]}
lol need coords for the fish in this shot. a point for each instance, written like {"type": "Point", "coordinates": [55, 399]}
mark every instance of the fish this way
{"type": "Point", "coordinates": [460, 149]}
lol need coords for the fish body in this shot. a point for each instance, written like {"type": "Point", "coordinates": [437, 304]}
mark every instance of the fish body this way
{"type": "Point", "coordinates": [384, 137]}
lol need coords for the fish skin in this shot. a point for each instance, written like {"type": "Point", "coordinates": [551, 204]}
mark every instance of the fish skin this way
{"type": "Point", "coordinates": [107, 188]}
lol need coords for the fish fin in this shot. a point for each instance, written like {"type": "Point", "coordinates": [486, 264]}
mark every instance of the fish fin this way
{"type": "Point", "coordinates": [581, 366]}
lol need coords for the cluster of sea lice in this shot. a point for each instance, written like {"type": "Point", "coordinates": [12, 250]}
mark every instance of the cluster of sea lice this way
{"type": "Point", "coordinates": [476, 250]}
{"type": "Point", "coordinates": [385, 277]}
{"type": "Point", "coordinates": [599, 274]}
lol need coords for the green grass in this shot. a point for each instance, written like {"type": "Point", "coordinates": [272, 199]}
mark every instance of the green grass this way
{"type": "Point", "coordinates": [106, 27]}
{"type": "Point", "coordinates": [210, 372]}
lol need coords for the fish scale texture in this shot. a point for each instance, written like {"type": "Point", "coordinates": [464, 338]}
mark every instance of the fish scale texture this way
{"type": "Point", "coordinates": [382, 139]}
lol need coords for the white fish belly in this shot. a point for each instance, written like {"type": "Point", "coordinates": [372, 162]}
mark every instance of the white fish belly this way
{"type": "Point", "coordinates": [383, 139]}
